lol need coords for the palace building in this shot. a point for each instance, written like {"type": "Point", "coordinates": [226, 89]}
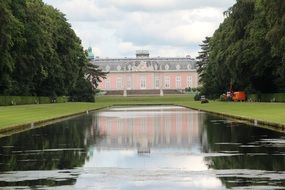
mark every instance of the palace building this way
{"type": "Point", "coordinates": [145, 74]}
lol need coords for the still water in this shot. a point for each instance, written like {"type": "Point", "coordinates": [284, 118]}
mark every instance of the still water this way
{"type": "Point", "coordinates": [160, 147]}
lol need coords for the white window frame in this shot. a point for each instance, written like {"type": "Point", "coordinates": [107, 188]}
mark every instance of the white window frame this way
{"type": "Point", "coordinates": [129, 83]}
{"type": "Point", "coordinates": [189, 81]}
{"type": "Point", "coordinates": [143, 82]}
{"type": "Point", "coordinates": [178, 82]}
{"type": "Point", "coordinates": [119, 83]}
{"type": "Point", "coordinates": [156, 82]}
{"type": "Point", "coordinates": [107, 84]}
{"type": "Point", "coordinates": [166, 82]}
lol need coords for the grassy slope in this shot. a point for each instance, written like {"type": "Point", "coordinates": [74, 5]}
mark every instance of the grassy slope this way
{"type": "Point", "coordinates": [17, 115]}
{"type": "Point", "coordinates": [271, 112]}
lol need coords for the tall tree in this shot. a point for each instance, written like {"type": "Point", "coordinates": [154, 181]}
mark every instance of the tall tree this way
{"type": "Point", "coordinates": [40, 54]}
{"type": "Point", "coordinates": [10, 33]}
{"type": "Point", "coordinates": [203, 57]}
{"type": "Point", "coordinates": [247, 49]}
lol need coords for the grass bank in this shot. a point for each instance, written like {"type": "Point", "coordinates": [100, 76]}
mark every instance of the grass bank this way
{"type": "Point", "coordinates": [264, 113]}
{"type": "Point", "coordinates": [272, 114]}
{"type": "Point", "coordinates": [11, 116]}
{"type": "Point", "coordinates": [269, 113]}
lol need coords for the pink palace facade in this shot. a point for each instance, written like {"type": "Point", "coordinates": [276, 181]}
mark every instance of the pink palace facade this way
{"type": "Point", "coordinates": [146, 73]}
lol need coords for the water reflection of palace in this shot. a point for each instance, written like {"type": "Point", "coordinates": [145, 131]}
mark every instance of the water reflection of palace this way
{"type": "Point", "coordinates": [148, 129]}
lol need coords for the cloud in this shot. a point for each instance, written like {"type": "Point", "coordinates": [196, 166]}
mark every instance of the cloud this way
{"type": "Point", "coordinates": [116, 28]}
{"type": "Point", "coordinates": [164, 5]}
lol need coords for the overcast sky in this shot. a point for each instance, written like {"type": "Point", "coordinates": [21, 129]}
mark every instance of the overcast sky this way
{"type": "Point", "coordinates": [117, 28]}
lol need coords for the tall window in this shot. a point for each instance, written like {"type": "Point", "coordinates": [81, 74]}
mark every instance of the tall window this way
{"type": "Point", "coordinates": [189, 81]}
{"type": "Point", "coordinates": [178, 82]}
{"type": "Point", "coordinates": [119, 83]}
{"type": "Point", "coordinates": [156, 82]}
{"type": "Point", "coordinates": [143, 83]}
{"type": "Point", "coordinates": [129, 83]}
{"type": "Point", "coordinates": [107, 84]}
{"type": "Point", "coordinates": [167, 82]}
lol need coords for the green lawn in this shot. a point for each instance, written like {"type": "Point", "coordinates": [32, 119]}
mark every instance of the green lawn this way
{"type": "Point", "coordinates": [24, 114]}
{"type": "Point", "coordinates": [270, 112]}
{"type": "Point", "coordinates": [18, 115]}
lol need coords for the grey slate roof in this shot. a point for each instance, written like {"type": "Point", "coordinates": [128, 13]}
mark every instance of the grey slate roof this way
{"type": "Point", "coordinates": [146, 64]}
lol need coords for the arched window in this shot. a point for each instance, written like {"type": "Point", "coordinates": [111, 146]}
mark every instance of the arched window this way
{"type": "Point", "coordinates": [166, 82]}
{"type": "Point", "coordinates": [119, 83]}
{"type": "Point", "coordinates": [178, 82]}
{"type": "Point", "coordinates": [156, 82]}
{"type": "Point", "coordinates": [166, 67]}
{"type": "Point", "coordinates": [189, 81]}
{"type": "Point", "coordinates": [143, 82]}
{"type": "Point", "coordinates": [178, 67]}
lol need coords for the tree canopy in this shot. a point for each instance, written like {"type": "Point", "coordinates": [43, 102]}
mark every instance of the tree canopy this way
{"type": "Point", "coordinates": [40, 54]}
{"type": "Point", "coordinates": [247, 50]}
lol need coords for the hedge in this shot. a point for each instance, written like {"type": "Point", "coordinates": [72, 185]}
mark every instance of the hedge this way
{"type": "Point", "coordinates": [61, 99]}
{"type": "Point", "coordinates": [274, 97]}
{"type": "Point", "coordinates": [22, 100]}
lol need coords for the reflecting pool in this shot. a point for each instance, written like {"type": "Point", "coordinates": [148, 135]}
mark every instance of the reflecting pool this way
{"type": "Point", "coordinates": [154, 147]}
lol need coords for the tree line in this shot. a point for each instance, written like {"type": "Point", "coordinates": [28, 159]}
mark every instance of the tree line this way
{"type": "Point", "coordinates": [40, 54]}
{"type": "Point", "coordinates": [247, 51]}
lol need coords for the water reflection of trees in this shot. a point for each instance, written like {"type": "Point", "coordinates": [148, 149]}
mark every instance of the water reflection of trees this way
{"type": "Point", "coordinates": [59, 146]}
{"type": "Point", "coordinates": [38, 182]}
{"type": "Point", "coordinates": [244, 143]}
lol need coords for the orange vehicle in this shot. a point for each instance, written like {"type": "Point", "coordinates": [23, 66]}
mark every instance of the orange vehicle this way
{"type": "Point", "coordinates": [239, 96]}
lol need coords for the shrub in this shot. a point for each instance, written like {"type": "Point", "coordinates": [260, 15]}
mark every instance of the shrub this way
{"type": "Point", "coordinates": [61, 99]}
{"type": "Point", "coordinates": [274, 97]}
{"type": "Point", "coordinates": [44, 100]}
{"type": "Point", "coordinates": [197, 97]}
{"type": "Point", "coordinates": [83, 92]}
{"type": "Point", "coordinates": [17, 100]}
{"type": "Point", "coordinates": [23, 100]}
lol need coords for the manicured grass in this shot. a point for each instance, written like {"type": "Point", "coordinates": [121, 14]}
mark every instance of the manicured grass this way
{"type": "Point", "coordinates": [269, 112]}
{"type": "Point", "coordinates": [18, 115]}
{"type": "Point", "coordinates": [145, 100]}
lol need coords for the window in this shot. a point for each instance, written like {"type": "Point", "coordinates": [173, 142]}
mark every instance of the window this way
{"type": "Point", "coordinates": [189, 67]}
{"type": "Point", "coordinates": [143, 83]}
{"type": "Point", "coordinates": [189, 81]}
{"type": "Point", "coordinates": [119, 84]}
{"type": "Point", "coordinates": [107, 68]}
{"type": "Point", "coordinates": [177, 67]}
{"type": "Point", "coordinates": [166, 67]}
{"type": "Point", "coordinates": [129, 83]}
{"type": "Point", "coordinates": [155, 67]}
{"type": "Point", "coordinates": [156, 82]}
{"type": "Point", "coordinates": [107, 84]}
{"type": "Point", "coordinates": [178, 82]}
{"type": "Point", "coordinates": [166, 82]}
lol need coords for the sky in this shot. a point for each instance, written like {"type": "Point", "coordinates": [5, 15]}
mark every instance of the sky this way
{"type": "Point", "coordinates": [167, 28]}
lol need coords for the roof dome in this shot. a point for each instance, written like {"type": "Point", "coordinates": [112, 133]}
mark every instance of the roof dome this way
{"type": "Point", "coordinates": [90, 54]}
